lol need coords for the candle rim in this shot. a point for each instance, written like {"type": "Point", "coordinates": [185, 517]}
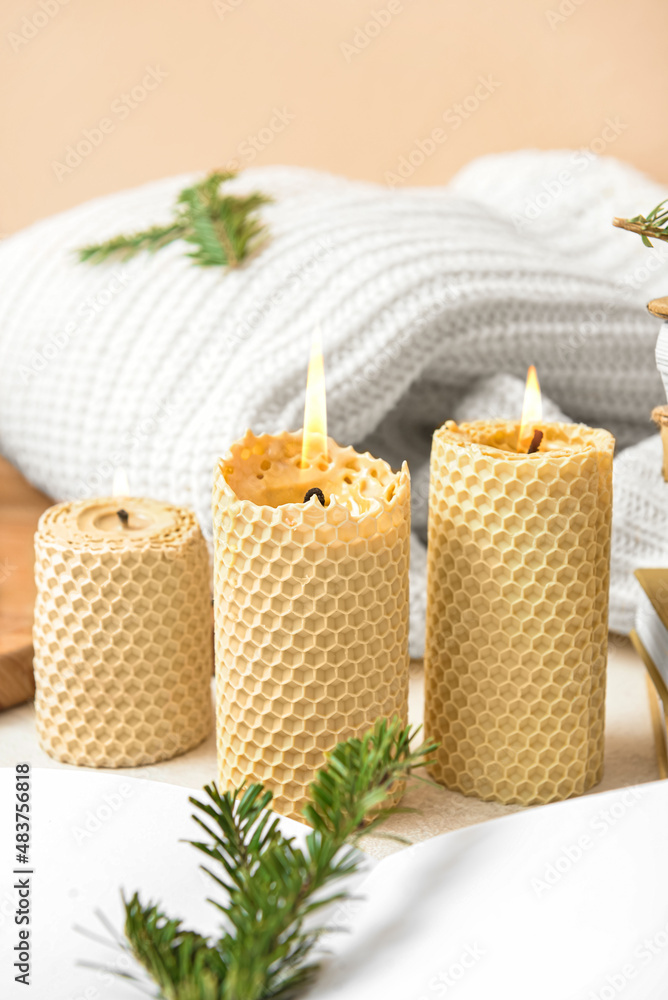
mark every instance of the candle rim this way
{"type": "Point", "coordinates": [60, 523]}
{"type": "Point", "coordinates": [580, 438]}
{"type": "Point", "coordinates": [334, 510]}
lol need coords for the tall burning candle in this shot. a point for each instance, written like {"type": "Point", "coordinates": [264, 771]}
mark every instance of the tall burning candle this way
{"type": "Point", "coordinates": [311, 548]}
{"type": "Point", "coordinates": [518, 576]}
{"type": "Point", "coordinates": [122, 633]}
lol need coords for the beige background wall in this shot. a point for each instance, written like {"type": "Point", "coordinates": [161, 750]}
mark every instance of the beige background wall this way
{"type": "Point", "coordinates": [354, 96]}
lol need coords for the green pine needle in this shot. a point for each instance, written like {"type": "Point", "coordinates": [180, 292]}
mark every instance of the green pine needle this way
{"type": "Point", "coordinates": [651, 227]}
{"type": "Point", "coordinates": [271, 887]}
{"type": "Point", "coordinates": [124, 247]}
{"type": "Point", "coordinates": [201, 232]}
{"type": "Point", "coordinates": [224, 229]}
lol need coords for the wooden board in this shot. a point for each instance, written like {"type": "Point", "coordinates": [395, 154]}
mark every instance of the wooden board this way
{"type": "Point", "coordinates": [20, 508]}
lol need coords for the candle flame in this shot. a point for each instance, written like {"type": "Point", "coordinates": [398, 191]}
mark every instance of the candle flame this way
{"type": "Point", "coordinates": [532, 411]}
{"type": "Point", "coordinates": [314, 443]}
{"type": "Point", "coordinates": [120, 487]}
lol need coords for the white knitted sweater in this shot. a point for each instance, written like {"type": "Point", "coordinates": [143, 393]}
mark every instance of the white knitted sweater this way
{"type": "Point", "coordinates": [158, 365]}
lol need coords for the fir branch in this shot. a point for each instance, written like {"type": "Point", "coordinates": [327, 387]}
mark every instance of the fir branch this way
{"type": "Point", "coordinates": [272, 888]}
{"type": "Point", "coordinates": [199, 230]}
{"type": "Point", "coordinates": [124, 247]}
{"type": "Point", "coordinates": [223, 228]}
{"type": "Point", "coordinates": [181, 963]}
{"type": "Point", "coordinates": [651, 227]}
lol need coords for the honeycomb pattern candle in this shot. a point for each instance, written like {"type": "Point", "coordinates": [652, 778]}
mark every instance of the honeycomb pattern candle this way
{"type": "Point", "coordinates": [122, 634]}
{"type": "Point", "coordinates": [518, 571]}
{"type": "Point", "coordinates": [311, 604]}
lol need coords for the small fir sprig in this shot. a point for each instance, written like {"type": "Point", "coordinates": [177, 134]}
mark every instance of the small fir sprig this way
{"type": "Point", "coordinates": [223, 228]}
{"type": "Point", "coordinates": [272, 889]}
{"type": "Point", "coordinates": [651, 227]}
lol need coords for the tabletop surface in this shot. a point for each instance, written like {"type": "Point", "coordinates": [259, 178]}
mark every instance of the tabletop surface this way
{"type": "Point", "coordinates": [630, 756]}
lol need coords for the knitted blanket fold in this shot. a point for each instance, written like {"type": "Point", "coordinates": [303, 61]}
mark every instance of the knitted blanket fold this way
{"type": "Point", "coordinates": [431, 302]}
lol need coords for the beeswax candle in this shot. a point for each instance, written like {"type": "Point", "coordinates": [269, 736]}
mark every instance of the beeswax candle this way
{"type": "Point", "coordinates": [122, 633]}
{"type": "Point", "coordinates": [518, 573]}
{"type": "Point", "coordinates": [311, 607]}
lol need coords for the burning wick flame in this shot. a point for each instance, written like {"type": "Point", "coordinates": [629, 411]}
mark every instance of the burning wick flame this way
{"type": "Point", "coordinates": [532, 411]}
{"type": "Point", "coordinates": [314, 443]}
{"type": "Point", "coordinates": [120, 487]}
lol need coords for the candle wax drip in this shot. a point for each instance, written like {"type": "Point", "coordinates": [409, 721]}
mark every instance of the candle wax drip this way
{"type": "Point", "coordinates": [270, 472]}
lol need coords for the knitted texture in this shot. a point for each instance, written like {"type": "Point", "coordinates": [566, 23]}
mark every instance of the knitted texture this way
{"type": "Point", "coordinates": [158, 365]}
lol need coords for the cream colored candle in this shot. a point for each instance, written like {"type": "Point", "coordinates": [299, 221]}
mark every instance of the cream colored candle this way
{"type": "Point", "coordinates": [311, 607]}
{"type": "Point", "coordinates": [518, 574]}
{"type": "Point", "coordinates": [122, 633]}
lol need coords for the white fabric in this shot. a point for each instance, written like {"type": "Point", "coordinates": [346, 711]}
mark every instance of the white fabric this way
{"type": "Point", "coordinates": [560, 901]}
{"type": "Point", "coordinates": [158, 365]}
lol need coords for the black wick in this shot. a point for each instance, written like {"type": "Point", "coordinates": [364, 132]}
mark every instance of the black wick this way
{"type": "Point", "coordinates": [535, 442]}
{"type": "Point", "coordinates": [123, 517]}
{"type": "Point", "coordinates": [315, 491]}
